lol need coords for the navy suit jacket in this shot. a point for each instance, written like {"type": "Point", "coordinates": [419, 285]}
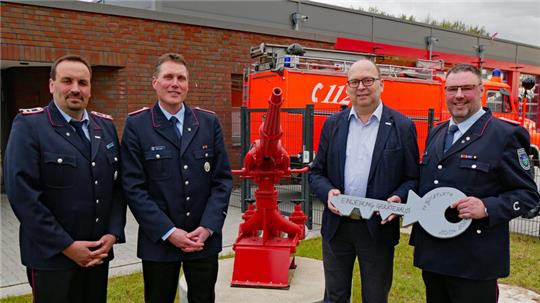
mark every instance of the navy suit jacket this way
{"type": "Point", "coordinates": [393, 171]}
{"type": "Point", "coordinates": [489, 162]}
{"type": "Point", "coordinates": [58, 190]}
{"type": "Point", "coordinates": [171, 183]}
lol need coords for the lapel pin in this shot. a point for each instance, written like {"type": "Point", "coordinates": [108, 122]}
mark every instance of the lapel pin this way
{"type": "Point", "coordinates": [97, 137]}
{"type": "Point", "coordinates": [388, 123]}
{"type": "Point", "coordinates": [205, 146]}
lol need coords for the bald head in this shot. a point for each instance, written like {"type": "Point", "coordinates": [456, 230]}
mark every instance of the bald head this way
{"type": "Point", "coordinates": [363, 64]}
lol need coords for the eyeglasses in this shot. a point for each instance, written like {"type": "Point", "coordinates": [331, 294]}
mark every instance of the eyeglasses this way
{"type": "Point", "coordinates": [354, 83]}
{"type": "Point", "coordinates": [465, 89]}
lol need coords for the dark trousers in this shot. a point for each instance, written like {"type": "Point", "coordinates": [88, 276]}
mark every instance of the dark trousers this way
{"type": "Point", "coordinates": [78, 285]}
{"type": "Point", "coordinates": [161, 280]}
{"type": "Point", "coordinates": [352, 240]}
{"type": "Point", "coordinates": [446, 289]}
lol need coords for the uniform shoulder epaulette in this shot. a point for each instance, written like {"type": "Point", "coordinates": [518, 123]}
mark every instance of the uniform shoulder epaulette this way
{"type": "Point", "coordinates": [440, 122]}
{"type": "Point", "coordinates": [205, 110]}
{"type": "Point", "coordinates": [31, 111]}
{"type": "Point", "coordinates": [101, 115]}
{"type": "Point", "coordinates": [514, 122]}
{"type": "Point", "coordinates": [140, 110]}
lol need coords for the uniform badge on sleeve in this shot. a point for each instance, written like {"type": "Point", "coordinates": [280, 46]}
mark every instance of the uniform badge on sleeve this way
{"type": "Point", "coordinates": [523, 159]}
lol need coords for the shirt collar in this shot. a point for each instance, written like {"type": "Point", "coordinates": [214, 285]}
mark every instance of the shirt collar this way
{"type": "Point", "coordinates": [463, 126]}
{"type": "Point", "coordinates": [376, 114]}
{"type": "Point", "coordinates": [179, 115]}
{"type": "Point", "coordinates": [68, 118]}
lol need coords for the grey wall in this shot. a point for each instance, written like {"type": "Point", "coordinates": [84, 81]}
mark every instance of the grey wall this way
{"type": "Point", "coordinates": [325, 23]}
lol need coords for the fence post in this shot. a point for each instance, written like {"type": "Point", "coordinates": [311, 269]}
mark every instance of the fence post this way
{"type": "Point", "coordinates": [431, 118]}
{"type": "Point", "coordinates": [307, 158]}
{"type": "Point", "coordinates": [245, 191]}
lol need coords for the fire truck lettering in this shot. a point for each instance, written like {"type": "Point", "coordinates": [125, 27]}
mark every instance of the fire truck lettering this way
{"type": "Point", "coordinates": [314, 98]}
{"type": "Point", "coordinates": [327, 98]}
{"type": "Point", "coordinates": [338, 94]}
{"type": "Point", "coordinates": [345, 101]}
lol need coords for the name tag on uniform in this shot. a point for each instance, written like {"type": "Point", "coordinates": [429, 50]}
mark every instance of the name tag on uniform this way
{"type": "Point", "coordinates": [110, 145]}
{"type": "Point", "coordinates": [159, 147]}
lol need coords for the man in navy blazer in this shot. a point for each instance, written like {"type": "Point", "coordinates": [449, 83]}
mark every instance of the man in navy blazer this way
{"type": "Point", "coordinates": [61, 173]}
{"type": "Point", "coordinates": [177, 181]}
{"type": "Point", "coordinates": [367, 151]}
{"type": "Point", "coordinates": [487, 159]}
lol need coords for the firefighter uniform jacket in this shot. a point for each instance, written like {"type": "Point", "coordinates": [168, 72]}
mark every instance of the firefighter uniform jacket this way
{"type": "Point", "coordinates": [171, 182]}
{"type": "Point", "coordinates": [60, 191]}
{"type": "Point", "coordinates": [490, 161]}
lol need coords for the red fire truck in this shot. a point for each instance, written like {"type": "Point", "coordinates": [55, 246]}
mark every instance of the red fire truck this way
{"type": "Point", "coordinates": [318, 77]}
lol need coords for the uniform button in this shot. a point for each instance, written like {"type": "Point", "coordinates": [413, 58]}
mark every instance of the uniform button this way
{"type": "Point", "coordinates": [96, 182]}
{"type": "Point", "coordinates": [187, 182]}
{"type": "Point", "coordinates": [97, 201]}
{"type": "Point", "coordinates": [478, 231]}
{"type": "Point", "coordinates": [93, 163]}
{"type": "Point", "coordinates": [439, 166]}
{"type": "Point", "coordinates": [68, 134]}
{"type": "Point", "coordinates": [473, 166]}
{"type": "Point", "coordinates": [158, 156]}
{"type": "Point", "coordinates": [60, 160]}
{"type": "Point", "coordinates": [436, 182]}
{"type": "Point", "coordinates": [115, 159]}
{"type": "Point", "coordinates": [185, 166]}
{"type": "Point", "coordinates": [188, 198]}
{"type": "Point", "coordinates": [187, 214]}
{"type": "Point", "coordinates": [206, 154]}
{"type": "Point", "coordinates": [189, 129]}
{"type": "Point", "coordinates": [97, 220]}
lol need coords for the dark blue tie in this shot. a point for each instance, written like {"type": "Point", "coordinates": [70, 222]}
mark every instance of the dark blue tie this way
{"type": "Point", "coordinates": [176, 130]}
{"type": "Point", "coordinates": [450, 137]}
{"type": "Point", "coordinates": [78, 128]}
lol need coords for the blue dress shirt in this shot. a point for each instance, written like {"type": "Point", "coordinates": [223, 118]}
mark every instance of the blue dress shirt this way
{"type": "Point", "coordinates": [360, 144]}
{"type": "Point", "coordinates": [464, 126]}
{"type": "Point", "coordinates": [84, 120]}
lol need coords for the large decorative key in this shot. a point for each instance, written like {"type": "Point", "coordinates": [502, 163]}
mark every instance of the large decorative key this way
{"type": "Point", "coordinates": [429, 210]}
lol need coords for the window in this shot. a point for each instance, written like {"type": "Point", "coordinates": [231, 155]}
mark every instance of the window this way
{"type": "Point", "coordinates": [498, 101]}
{"type": "Point", "coordinates": [236, 102]}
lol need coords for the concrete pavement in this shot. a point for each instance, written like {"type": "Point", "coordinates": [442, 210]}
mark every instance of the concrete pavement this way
{"type": "Point", "coordinates": [13, 279]}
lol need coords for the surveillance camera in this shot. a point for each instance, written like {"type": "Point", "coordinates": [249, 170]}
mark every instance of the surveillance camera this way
{"type": "Point", "coordinates": [297, 17]}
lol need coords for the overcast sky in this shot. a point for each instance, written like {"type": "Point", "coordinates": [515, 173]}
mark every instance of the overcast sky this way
{"type": "Point", "coordinates": [517, 21]}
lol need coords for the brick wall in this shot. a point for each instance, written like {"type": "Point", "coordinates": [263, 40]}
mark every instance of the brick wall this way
{"type": "Point", "coordinates": [125, 49]}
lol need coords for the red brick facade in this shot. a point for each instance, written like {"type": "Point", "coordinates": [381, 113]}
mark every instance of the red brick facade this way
{"type": "Point", "coordinates": [122, 51]}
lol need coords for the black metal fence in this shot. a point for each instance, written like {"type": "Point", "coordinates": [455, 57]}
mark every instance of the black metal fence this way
{"type": "Point", "coordinates": [302, 128]}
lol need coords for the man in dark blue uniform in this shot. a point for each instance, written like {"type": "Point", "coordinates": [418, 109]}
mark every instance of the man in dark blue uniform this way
{"type": "Point", "coordinates": [61, 170]}
{"type": "Point", "coordinates": [487, 159]}
{"type": "Point", "coordinates": [177, 180]}
{"type": "Point", "coordinates": [368, 151]}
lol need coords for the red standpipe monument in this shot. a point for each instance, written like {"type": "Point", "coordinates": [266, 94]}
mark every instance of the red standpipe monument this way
{"type": "Point", "coordinates": [266, 243]}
